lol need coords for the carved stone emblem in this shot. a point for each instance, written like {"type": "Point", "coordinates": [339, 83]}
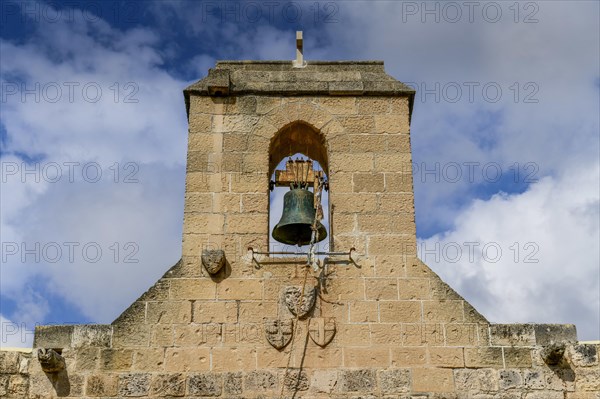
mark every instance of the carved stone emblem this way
{"type": "Point", "coordinates": [50, 360]}
{"type": "Point", "coordinates": [279, 332]}
{"type": "Point", "coordinates": [300, 306]}
{"type": "Point", "coordinates": [321, 330]}
{"type": "Point", "coordinates": [213, 260]}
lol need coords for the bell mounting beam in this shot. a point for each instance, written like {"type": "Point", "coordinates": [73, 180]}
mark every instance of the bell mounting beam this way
{"type": "Point", "coordinates": [298, 171]}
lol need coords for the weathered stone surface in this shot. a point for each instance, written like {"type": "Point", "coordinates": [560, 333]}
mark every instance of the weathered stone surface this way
{"type": "Point", "coordinates": [53, 336]}
{"type": "Point", "coordinates": [546, 334]}
{"type": "Point", "coordinates": [101, 385]}
{"type": "Point", "coordinates": [168, 385]}
{"type": "Point", "coordinates": [395, 381]}
{"type": "Point", "coordinates": [260, 381]}
{"type": "Point", "coordinates": [296, 380]}
{"type": "Point", "coordinates": [9, 362]}
{"type": "Point", "coordinates": [583, 355]}
{"type": "Point", "coordinates": [362, 380]}
{"type": "Point", "coordinates": [205, 384]}
{"type": "Point", "coordinates": [232, 383]}
{"type": "Point", "coordinates": [137, 384]}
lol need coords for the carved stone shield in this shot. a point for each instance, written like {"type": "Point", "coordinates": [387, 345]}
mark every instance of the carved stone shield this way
{"type": "Point", "coordinates": [213, 260]}
{"type": "Point", "coordinates": [321, 330]}
{"type": "Point", "coordinates": [300, 306]}
{"type": "Point", "coordinates": [279, 332]}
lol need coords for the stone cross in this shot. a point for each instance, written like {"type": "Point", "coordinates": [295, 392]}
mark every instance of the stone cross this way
{"type": "Point", "coordinates": [299, 62]}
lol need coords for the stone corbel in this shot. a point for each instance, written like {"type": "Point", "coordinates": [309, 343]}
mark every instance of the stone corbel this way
{"type": "Point", "coordinates": [553, 353]}
{"type": "Point", "coordinates": [50, 360]}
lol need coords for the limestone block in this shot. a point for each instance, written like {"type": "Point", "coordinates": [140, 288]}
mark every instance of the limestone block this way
{"type": "Point", "coordinates": [353, 335]}
{"type": "Point", "coordinates": [260, 381]}
{"type": "Point", "coordinates": [246, 223]}
{"type": "Point", "coordinates": [512, 334]}
{"type": "Point", "coordinates": [53, 336]}
{"type": "Point", "coordinates": [341, 182]}
{"type": "Point", "coordinates": [338, 105]}
{"type": "Point", "coordinates": [187, 289]}
{"type": "Point", "coordinates": [128, 335]}
{"type": "Point", "coordinates": [367, 357]}
{"type": "Point", "coordinates": [386, 334]}
{"type": "Point", "coordinates": [198, 334]}
{"type": "Point", "coordinates": [165, 385]}
{"type": "Point", "coordinates": [324, 381]}
{"type": "Point", "coordinates": [443, 311]}
{"type": "Point", "coordinates": [360, 124]}
{"type": "Point", "coordinates": [408, 356]}
{"type": "Point", "coordinates": [391, 124]}
{"type": "Point", "coordinates": [18, 386]}
{"type": "Point", "coordinates": [517, 357]}
{"type": "Point", "coordinates": [149, 359]}
{"type": "Point", "coordinates": [215, 312]}
{"type": "Point", "coordinates": [200, 123]}
{"type": "Point", "coordinates": [395, 381]}
{"type": "Point", "coordinates": [398, 162]}
{"type": "Point", "coordinates": [101, 385]}
{"type": "Point", "coordinates": [233, 359]}
{"type": "Point", "coordinates": [205, 384]}
{"type": "Point", "coordinates": [329, 357]}
{"type": "Point", "coordinates": [413, 288]}
{"type": "Point", "coordinates": [354, 203]}
{"type": "Point", "coordinates": [368, 182]}
{"type": "Point", "coordinates": [363, 312]}
{"type": "Point", "coordinates": [169, 312]}
{"type": "Point", "coordinates": [92, 335]}
{"type": "Point", "coordinates": [400, 312]}
{"type": "Point", "coordinates": [361, 380]}
{"type": "Point", "coordinates": [510, 379]}
{"type": "Point", "coordinates": [240, 289]}
{"type": "Point", "coordinates": [187, 359]}
{"type": "Point", "coordinates": [459, 334]}
{"type": "Point", "coordinates": [373, 105]}
{"type": "Point", "coordinates": [583, 355]}
{"type": "Point", "coordinates": [381, 289]}
{"type": "Point", "coordinates": [9, 362]}
{"type": "Point", "coordinates": [446, 357]}
{"type": "Point", "coordinates": [232, 383]}
{"type": "Point", "coordinates": [546, 334]}
{"type": "Point", "coordinates": [87, 359]}
{"type": "Point", "coordinates": [116, 359]}
{"type": "Point", "coordinates": [350, 162]}
{"type": "Point", "coordinates": [134, 384]}
{"type": "Point", "coordinates": [484, 357]}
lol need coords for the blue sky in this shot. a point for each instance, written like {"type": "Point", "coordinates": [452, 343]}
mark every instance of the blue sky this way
{"type": "Point", "coordinates": [504, 136]}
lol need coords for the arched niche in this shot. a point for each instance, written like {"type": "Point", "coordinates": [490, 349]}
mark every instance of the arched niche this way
{"type": "Point", "coordinates": [298, 137]}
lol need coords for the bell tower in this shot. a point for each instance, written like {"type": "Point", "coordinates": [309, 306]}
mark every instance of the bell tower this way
{"type": "Point", "coordinates": [351, 117]}
{"type": "Point", "coordinates": [360, 317]}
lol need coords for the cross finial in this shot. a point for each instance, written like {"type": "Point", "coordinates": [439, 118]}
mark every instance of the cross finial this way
{"type": "Point", "coordinates": [299, 62]}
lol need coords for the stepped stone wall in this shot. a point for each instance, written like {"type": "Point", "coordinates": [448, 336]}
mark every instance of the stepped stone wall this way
{"type": "Point", "coordinates": [225, 322]}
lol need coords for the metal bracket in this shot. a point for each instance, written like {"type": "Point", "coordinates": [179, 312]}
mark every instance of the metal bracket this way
{"type": "Point", "coordinates": [307, 254]}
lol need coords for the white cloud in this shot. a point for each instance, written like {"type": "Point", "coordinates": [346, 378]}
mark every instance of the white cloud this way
{"type": "Point", "coordinates": [550, 274]}
{"type": "Point", "coordinates": [136, 130]}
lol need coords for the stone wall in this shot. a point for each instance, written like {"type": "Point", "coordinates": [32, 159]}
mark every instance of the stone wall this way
{"type": "Point", "coordinates": [510, 366]}
{"type": "Point", "coordinates": [225, 323]}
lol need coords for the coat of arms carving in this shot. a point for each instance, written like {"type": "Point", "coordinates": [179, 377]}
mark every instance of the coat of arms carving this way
{"type": "Point", "coordinates": [213, 260]}
{"type": "Point", "coordinates": [321, 330]}
{"type": "Point", "coordinates": [300, 306]}
{"type": "Point", "coordinates": [279, 332]}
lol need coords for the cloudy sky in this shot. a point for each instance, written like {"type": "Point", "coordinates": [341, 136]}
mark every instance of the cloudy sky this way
{"type": "Point", "coordinates": [505, 140]}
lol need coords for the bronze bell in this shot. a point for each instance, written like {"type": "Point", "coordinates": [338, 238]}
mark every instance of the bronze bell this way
{"type": "Point", "coordinates": [295, 226]}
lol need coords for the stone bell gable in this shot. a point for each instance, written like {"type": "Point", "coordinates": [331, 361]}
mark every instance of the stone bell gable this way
{"type": "Point", "coordinates": [369, 319]}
